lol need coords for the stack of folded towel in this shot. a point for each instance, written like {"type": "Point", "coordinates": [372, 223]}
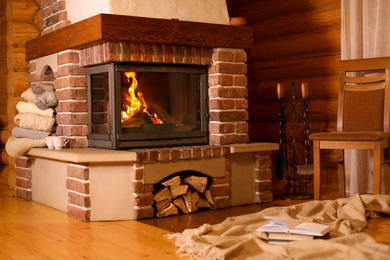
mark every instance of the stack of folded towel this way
{"type": "Point", "coordinates": [35, 120]}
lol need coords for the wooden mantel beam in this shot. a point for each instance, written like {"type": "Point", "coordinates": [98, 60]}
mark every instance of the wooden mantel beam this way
{"type": "Point", "coordinates": [119, 28]}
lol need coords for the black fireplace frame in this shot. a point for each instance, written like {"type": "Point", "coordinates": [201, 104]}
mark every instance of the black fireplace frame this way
{"type": "Point", "coordinates": [116, 138]}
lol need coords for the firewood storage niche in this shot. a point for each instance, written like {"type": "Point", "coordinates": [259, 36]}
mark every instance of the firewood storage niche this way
{"type": "Point", "coordinates": [147, 105]}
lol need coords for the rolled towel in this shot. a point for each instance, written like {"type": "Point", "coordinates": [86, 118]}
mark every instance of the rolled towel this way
{"type": "Point", "coordinates": [34, 122]}
{"type": "Point", "coordinates": [16, 147]}
{"type": "Point", "coordinates": [28, 96]}
{"type": "Point", "coordinates": [28, 133]}
{"type": "Point", "coordinates": [25, 107]}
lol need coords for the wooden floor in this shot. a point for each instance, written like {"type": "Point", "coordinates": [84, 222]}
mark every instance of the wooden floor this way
{"type": "Point", "coordinates": [29, 230]}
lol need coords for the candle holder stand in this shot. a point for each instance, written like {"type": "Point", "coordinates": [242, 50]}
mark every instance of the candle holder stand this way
{"type": "Point", "coordinates": [300, 175]}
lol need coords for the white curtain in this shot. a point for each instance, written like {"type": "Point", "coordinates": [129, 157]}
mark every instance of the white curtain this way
{"type": "Point", "coordinates": [365, 29]}
{"type": "Point", "coordinates": [365, 33]}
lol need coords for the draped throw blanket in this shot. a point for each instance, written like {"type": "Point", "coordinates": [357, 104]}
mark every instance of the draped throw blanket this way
{"type": "Point", "coordinates": [16, 147]}
{"type": "Point", "coordinates": [237, 238]}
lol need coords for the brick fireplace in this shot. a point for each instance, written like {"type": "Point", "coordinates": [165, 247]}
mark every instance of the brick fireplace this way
{"type": "Point", "coordinates": [75, 180]}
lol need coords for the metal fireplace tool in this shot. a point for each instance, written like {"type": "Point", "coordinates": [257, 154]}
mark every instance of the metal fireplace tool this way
{"type": "Point", "coordinates": [300, 175]}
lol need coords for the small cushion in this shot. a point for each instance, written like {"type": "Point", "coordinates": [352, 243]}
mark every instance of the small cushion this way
{"type": "Point", "coordinates": [350, 136]}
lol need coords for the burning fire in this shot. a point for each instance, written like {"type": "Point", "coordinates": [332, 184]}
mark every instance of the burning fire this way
{"type": "Point", "coordinates": [133, 104]}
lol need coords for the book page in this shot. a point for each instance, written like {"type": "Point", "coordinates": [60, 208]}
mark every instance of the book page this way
{"type": "Point", "coordinates": [289, 225]}
{"type": "Point", "coordinates": [311, 228]}
{"type": "Point", "coordinates": [276, 224]}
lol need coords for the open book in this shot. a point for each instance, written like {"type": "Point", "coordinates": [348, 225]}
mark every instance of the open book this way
{"type": "Point", "coordinates": [288, 225]}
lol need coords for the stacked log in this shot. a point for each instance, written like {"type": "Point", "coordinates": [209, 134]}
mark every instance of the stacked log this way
{"type": "Point", "coordinates": [182, 194]}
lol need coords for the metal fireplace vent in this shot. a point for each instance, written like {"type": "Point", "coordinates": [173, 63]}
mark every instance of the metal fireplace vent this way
{"type": "Point", "coordinates": [147, 105]}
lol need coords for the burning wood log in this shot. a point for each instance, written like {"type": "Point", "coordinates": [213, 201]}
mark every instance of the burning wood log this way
{"type": "Point", "coordinates": [162, 114]}
{"type": "Point", "coordinates": [135, 121]}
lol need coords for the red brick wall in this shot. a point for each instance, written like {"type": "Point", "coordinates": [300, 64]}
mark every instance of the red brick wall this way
{"type": "Point", "coordinates": [71, 92]}
{"type": "Point", "coordinates": [228, 94]}
{"type": "Point", "coordinates": [263, 177]}
{"type": "Point", "coordinates": [53, 15]}
{"type": "Point", "coordinates": [23, 178]}
{"type": "Point", "coordinates": [79, 202]}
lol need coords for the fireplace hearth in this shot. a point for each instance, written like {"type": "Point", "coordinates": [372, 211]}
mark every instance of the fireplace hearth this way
{"type": "Point", "coordinates": [203, 111]}
{"type": "Point", "coordinates": [147, 105]}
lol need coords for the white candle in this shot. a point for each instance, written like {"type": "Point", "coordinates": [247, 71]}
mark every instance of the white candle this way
{"type": "Point", "coordinates": [305, 90]}
{"type": "Point", "coordinates": [280, 90]}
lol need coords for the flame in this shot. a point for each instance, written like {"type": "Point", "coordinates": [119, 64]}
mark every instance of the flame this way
{"type": "Point", "coordinates": [136, 104]}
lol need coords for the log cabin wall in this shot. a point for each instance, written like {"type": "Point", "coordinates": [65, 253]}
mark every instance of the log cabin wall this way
{"type": "Point", "coordinates": [294, 40]}
{"type": "Point", "coordinates": [3, 92]}
{"type": "Point", "coordinates": [20, 22]}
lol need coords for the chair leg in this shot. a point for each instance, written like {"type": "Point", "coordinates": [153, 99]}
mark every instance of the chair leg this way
{"type": "Point", "coordinates": [341, 175]}
{"type": "Point", "coordinates": [387, 179]}
{"type": "Point", "coordinates": [376, 173]}
{"type": "Point", "coordinates": [317, 169]}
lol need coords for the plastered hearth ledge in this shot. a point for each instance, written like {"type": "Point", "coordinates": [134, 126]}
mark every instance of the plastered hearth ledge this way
{"type": "Point", "coordinates": [103, 185]}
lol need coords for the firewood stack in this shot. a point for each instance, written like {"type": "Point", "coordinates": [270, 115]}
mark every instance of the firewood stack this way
{"type": "Point", "coordinates": [185, 194]}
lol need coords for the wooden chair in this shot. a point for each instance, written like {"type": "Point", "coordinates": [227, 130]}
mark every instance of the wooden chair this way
{"type": "Point", "coordinates": [362, 120]}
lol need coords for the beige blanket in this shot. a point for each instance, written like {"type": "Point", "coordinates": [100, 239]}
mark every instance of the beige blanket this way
{"type": "Point", "coordinates": [16, 147]}
{"type": "Point", "coordinates": [236, 238]}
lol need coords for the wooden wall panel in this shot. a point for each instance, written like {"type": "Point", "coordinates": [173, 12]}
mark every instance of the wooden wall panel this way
{"type": "Point", "coordinates": [303, 22]}
{"type": "Point", "coordinates": [21, 63]}
{"type": "Point", "coordinates": [320, 110]}
{"type": "Point", "coordinates": [320, 88]}
{"type": "Point", "coordinates": [21, 82]}
{"type": "Point", "coordinates": [323, 64]}
{"type": "Point", "coordinates": [19, 20]}
{"type": "Point", "coordinates": [274, 8]}
{"type": "Point", "coordinates": [3, 89]}
{"type": "Point", "coordinates": [317, 42]}
{"type": "Point", "coordinates": [294, 40]}
{"type": "Point", "coordinates": [23, 32]}
{"type": "Point", "coordinates": [3, 30]}
{"type": "Point", "coordinates": [23, 10]}
{"type": "Point", "coordinates": [3, 115]}
{"type": "Point", "coordinates": [265, 131]}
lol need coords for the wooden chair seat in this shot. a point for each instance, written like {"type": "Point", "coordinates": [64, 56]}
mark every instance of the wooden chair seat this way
{"type": "Point", "coordinates": [350, 136]}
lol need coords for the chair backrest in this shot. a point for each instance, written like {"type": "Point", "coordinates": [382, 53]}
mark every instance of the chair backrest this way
{"type": "Point", "coordinates": [364, 95]}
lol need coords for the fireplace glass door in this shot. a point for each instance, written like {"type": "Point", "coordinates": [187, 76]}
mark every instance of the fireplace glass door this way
{"type": "Point", "coordinates": [147, 105]}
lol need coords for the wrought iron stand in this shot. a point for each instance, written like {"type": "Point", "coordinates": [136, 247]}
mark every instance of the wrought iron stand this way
{"type": "Point", "coordinates": [300, 175]}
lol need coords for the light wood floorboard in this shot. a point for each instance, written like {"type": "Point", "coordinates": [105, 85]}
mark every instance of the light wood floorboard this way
{"type": "Point", "coordinates": [29, 230]}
